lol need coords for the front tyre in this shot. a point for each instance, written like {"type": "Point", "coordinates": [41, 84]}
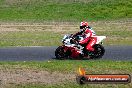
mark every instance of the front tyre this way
{"type": "Point", "coordinates": [59, 53]}
{"type": "Point", "coordinates": [99, 51]}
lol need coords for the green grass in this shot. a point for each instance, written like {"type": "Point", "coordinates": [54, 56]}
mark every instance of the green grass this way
{"type": "Point", "coordinates": [72, 85]}
{"type": "Point", "coordinates": [62, 10]}
{"type": "Point", "coordinates": [45, 38]}
{"type": "Point", "coordinates": [70, 66]}
{"type": "Point", "coordinates": [29, 39]}
{"type": "Point", "coordinates": [117, 37]}
{"type": "Point", "coordinates": [66, 10]}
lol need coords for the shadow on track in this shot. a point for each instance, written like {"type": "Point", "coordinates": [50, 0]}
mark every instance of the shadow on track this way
{"type": "Point", "coordinates": [75, 59]}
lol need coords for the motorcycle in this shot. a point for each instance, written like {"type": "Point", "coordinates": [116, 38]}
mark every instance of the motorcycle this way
{"type": "Point", "coordinates": [71, 49]}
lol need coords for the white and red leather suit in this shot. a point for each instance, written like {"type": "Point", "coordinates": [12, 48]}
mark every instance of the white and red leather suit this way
{"type": "Point", "coordinates": [88, 35]}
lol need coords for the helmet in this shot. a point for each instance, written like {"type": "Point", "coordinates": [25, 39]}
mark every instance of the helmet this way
{"type": "Point", "coordinates": [83, 25]}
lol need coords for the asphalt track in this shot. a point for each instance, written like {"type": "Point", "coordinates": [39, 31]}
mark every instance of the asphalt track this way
{"type": "Point", "coordinates": [47, 53]}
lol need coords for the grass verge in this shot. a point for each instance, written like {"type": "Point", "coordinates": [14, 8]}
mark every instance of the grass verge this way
{"type": "Point", "coordinates": [29, 39]}
{"type": "Point", "coordinates": [118, 32]}
{"type": "Point", "coordinates": [73, 85]}
{"type": "Point", "coordinates": [9, 39]}
{"type": "Point", "coordinates": [70, 67]}
{"type": "Point", "coordinates": [64, 10]}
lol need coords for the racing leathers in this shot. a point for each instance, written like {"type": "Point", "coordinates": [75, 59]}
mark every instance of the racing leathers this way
{"type": "Point", "coordinates": [88, 38]}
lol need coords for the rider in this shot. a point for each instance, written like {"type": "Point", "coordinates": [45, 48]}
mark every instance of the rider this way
{"type": "Point", "coordinates": [87, 33]}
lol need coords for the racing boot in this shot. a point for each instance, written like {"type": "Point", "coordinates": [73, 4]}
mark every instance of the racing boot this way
{"type": "Point", "coordinates": [80, 48]}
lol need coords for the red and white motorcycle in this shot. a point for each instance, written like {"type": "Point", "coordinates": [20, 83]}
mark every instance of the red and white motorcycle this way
{"type": "Point", "coordinates": [70, 49]}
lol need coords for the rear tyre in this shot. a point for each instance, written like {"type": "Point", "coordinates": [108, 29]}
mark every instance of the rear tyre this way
{"type": "Point", "coordinates": [59, 53]}
{"type": "Point", "coordinates": [98, 52]}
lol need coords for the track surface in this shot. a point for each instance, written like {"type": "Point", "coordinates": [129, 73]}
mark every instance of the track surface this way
{"type": "Point", "coordinates": [47, 53]}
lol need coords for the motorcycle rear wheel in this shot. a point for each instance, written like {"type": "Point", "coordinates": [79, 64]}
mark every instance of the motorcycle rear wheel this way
{"type": "Point", "coordinates": [99, 51]}
{"type": "Point", "coordinates": [59, 53]}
